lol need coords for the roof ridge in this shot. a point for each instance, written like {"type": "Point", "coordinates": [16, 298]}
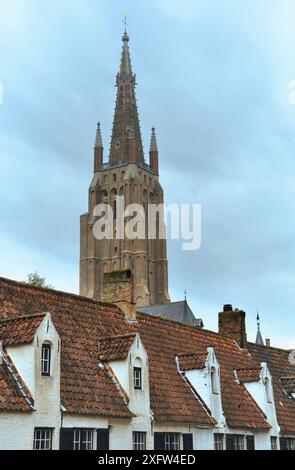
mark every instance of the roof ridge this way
{"type": "Point", "coordinates": [263, 346]}
{"type": "Point", "coordinates": [22, 317]}
{"type": "Point", "coordinates": [56, 291]}
{"type": "Point", "coordinates": [185, 326]}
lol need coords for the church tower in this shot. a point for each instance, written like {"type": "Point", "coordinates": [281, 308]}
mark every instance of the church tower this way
{"type": "Point", "coordinates": [125, 174]}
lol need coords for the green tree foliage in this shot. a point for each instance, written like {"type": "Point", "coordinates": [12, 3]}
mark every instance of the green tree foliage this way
{"type": "Point", "coordinates": [34, 279]}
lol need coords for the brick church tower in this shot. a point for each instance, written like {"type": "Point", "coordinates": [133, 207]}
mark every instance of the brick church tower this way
{"type": "Point", "coordinates": [125, 174]}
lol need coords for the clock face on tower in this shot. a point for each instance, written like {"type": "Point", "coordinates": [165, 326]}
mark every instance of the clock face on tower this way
{"type": "Point", "coordinates": [117, 144]}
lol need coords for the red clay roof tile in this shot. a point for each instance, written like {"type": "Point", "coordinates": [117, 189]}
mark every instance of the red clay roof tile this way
{"type": "Point", "coordinates": [80, 322]}
{"type": "Point", "coordinates": [19, 330]}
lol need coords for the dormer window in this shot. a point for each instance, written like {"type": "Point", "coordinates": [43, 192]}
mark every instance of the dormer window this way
{"type": "Point", "coordinates": [213, 375]}
{"type": "Point", "coordinates": [137, 377]}
{"type": "Point", "coordinates": [45, 359]}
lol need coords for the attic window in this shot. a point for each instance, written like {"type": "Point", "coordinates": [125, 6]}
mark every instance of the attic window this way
{"type": "Point", "coordinates": [137, 377]}
{"type": "Point", "coordinates": [45, 359]}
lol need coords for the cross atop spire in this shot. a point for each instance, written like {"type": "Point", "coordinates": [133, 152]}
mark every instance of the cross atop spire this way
{"type": "Point", "coordinates": [259, 339]}
{"type": "Point", "coordinates": [125, 21]}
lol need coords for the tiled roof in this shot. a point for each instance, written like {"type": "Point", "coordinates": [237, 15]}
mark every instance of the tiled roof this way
{"type": "Point", "coordinates": [288, 383]}
{"type": "Point", "coordinates": [80, 322]}
{"type": "Point", "coordinates": [249, 375]}
{"type": "Point", "coordinates": [11, 397]}
{"type": "Point", "coordinates": [19, 330]}
{"type": "Point", "coordinates": [171, 399]}
{"type": "Point", "coordinates": [279, 366]}
{"type": "Point", "coordinates": [192, 361]}
{"type": "Point", "coordinates": [115, 347]}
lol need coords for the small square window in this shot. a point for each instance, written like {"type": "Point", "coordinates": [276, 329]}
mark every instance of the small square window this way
{"type": "Point", "coordinates": [83, 439]}
{"type": "Point", "coordinates": [219, 441]}
{"type": "Point", "coordinates": [274, 443]}
{"type": "Point", "coordinates": [137, 377]}
{"type": "Point", "coordinates": [45, 359]}
{"type": "Point", "coordinates": [139, 441]}
{"type": "Point", "coordinates": [42, 439]}
{"type": "Point", "coordinates": [172, 441]}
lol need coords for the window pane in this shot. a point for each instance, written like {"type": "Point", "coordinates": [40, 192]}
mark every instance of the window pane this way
{"type": "Point", "coordinates": [139, 441]}
{"type": "Point", "coordinates": [42, 439]}
{"type": "Point", "coordinates": [83, 439]}
{"type": "Point", "coordinates": [45, 359]}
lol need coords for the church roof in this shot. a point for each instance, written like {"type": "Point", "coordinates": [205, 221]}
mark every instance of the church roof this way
{"type": "Point", "coordinates": [175, 311]}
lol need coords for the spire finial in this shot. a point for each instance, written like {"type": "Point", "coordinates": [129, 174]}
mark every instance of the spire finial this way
{"type": "Point", "coordinates": [98, 139]}
{"type": "Point", "coordinates": [125, 21]}
{"type": "Point", "coordinates": [153, 145]}
{"type": "Point", "coordinates": [185, 294]}
{"type": "Point", "coordinates": [259, 339]}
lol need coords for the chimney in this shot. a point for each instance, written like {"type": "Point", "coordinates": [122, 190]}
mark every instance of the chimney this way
{"type": "Point", "coordinates": [267, 342]}
{"type": "Point", "coordinates": [118, 288]}
{"type": "Point", "coordinates": [232, 324]}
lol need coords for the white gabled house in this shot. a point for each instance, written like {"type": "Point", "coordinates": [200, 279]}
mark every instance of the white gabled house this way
{"type": "Point", "coordinates": [82, 376]}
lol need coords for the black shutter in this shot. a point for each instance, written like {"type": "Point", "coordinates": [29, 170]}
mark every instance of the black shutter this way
{"type": "Point", "coordinates": [230, 439]}
{"type": "Point", "coordinates": [250, 442]}
{"type": "Point", "coordinates": [188, 442]}
{"type": "Point", "coordinates": [66, 439]}
{"type": "Point", "coordinates": [159, 441]}
{"type": "Point", "coordinates": [103, 439]}
{"type": "Point", "coordinates": [283, 445]}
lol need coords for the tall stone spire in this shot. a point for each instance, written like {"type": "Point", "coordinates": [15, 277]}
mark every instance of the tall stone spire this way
{"type": "Point", "coordinates": [259, 339]}
{"type": "Point", "coordinates": [126, 119]}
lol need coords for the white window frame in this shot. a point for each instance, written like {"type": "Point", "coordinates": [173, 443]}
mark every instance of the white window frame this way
{"type": "Point", "coordinates": [83, 439]}
{"type": "Point", "coordinates": [290, 443]}
{"type": "Point", "coordinates": [218, 441]}
{"type": "Point", "coordinates": [137, 379]}
{"type": "Point", "coordinates": [42, 439]}
{"type": "Point", "coordinates": [172, 441]}
{"type": "Point", "coordinates": [45, 359]}
{"type": "Point", "coordinates": [239, 442]}
{"type": "Point", "coordinates": [139, 440]}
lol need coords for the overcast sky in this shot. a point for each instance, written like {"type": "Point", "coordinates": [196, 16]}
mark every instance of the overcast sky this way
{"type": "Point", "coordinates": [213, 78]}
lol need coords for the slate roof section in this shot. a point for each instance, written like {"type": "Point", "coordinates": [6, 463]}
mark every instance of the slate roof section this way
{"type": "Point", "coordinates": [85, 387]}
{"type": "Point", "coordinates": [171, 401]}
{"type": "Point", "coordinates": [192, 361]}
{"type": "Point", "coordinates": [175, 311]}
{"type": "Point", "coordinates": [115, 348]}
{"type": "Point", "coordinates": [280, 367]}
{"type": "Point", "coordinates": [20, 330]}
{"type": "Point", "coordinates": [11, 397]}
